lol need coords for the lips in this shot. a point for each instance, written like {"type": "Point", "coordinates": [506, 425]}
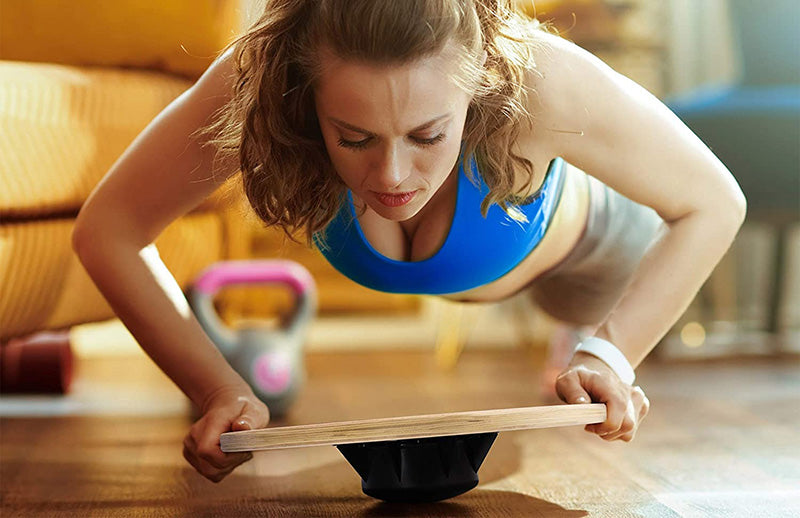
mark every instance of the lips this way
{"type": "Point", "coordinates": [395, 200]}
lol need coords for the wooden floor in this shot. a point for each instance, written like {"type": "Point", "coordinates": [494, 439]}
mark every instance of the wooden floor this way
{"type": "Point", "coordinates": [722, 439]}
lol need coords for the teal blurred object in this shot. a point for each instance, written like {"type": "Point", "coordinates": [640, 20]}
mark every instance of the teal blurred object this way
{"type": "Point", "coordinates": [753, 126]}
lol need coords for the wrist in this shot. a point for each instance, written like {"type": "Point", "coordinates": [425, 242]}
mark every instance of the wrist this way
{"type": "Point", "coordinates": [610, 355]}
{"type": "Point", "coordinates": [225, 393]}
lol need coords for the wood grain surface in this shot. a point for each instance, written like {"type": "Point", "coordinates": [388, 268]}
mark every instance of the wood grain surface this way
{"type": "Point", "coordinates": [721, 440]}
{"type": "Point", "coordinates": [413, 427]}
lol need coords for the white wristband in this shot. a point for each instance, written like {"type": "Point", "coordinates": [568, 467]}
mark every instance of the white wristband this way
{"type": "Point", "coordinates": [610, 355]}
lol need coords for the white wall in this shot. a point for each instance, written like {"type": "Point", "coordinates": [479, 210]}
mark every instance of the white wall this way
{"type": "Point", "coordinates": [700, 46]}
{"type": "Point", "coordinates": [251, 10]}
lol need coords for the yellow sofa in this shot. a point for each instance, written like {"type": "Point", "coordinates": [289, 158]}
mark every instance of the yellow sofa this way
{"type": "Point", "coordinates": [78, 82]}
{"type": "Point", "coordinates": [61, 128]}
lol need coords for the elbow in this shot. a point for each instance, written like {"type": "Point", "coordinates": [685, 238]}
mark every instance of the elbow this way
{"type": "Point", "coordinates": [735, 203]}
{"type": "Point", "coordinates": [731, 207]}
{"type": "Point", "coordinates": [80, 231]}
{"type": "Point", "coordinates": [80, 237]}
{"type": "Point", "coordinates": [738, 208]}
{"type": "Point", "coordinates": [84, 232]}
{"type": "Point", "coordinates": [730, 212]}
{"type": "Point", "coordinates": [725, 214]}
{"type": "Point", "coordinates": [96, 232]}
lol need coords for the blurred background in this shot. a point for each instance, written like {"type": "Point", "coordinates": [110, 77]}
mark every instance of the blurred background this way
{"type": "Point", "coordinates": [79, 80]}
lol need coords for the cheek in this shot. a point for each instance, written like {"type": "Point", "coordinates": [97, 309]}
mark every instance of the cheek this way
{"type": "Point", "coordinates": [444, 157]}
{"type": "Point", "coordinates": [351, 167]}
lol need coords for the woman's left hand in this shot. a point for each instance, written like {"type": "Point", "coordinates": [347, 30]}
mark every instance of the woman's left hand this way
{"type": "Point", "coordinates": [587, 379]}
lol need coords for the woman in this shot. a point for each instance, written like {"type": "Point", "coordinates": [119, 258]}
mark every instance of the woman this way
{"type": "Point", "coordinates": [429, 147]}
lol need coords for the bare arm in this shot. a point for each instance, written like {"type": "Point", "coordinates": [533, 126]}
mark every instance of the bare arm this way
{"type": "Point", "coordinates": [618, 132]}
{"type": "Point", "coordinates": [162, 175]}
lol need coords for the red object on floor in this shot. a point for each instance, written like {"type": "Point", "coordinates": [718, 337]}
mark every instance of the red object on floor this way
{"type": "Point", "coordinates": [38, 363]}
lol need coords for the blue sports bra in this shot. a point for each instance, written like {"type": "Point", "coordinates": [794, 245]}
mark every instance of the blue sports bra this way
{"type": "Point", "coordinates": [477, 250]}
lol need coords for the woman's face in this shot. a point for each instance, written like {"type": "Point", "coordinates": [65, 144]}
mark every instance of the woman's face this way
{"type": "Point", "coordinates": [393, 133]}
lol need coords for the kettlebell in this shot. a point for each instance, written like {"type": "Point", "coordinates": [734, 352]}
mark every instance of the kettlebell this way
{"type": "Point", "coordinates": [270, 360]}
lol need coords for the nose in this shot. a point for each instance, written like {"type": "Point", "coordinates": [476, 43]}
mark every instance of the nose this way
{"type": "Point", "coordinates": [392, 169]}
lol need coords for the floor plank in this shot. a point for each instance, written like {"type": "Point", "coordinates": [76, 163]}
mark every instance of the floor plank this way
{"type": "Point", "coordinates": [721, 440]}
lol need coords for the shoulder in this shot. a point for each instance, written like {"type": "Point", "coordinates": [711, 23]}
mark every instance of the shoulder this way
{"type": "Point", "coordinates": [219, 79]}
{"type": "Point", "coordinates": [614, 129]}
{"type": "Point", "coordinates": [560, 86]}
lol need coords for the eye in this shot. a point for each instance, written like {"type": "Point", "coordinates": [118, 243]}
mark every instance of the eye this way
{"type": "Point", "coordinates": [354, 144]}
{"type": "Point", "coordinates": [428, 141]}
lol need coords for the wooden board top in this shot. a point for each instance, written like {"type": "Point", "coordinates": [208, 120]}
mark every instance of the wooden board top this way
{"type": "Point", "coordinates": [413, 427]}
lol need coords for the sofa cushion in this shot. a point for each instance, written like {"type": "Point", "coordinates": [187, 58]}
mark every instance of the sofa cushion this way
{"type": "Point", "coordinates": [61, 129]}
{"type": "Point", "coordinates": [179, 36]}
{"type": "Point", "coordinates": [44, 286]}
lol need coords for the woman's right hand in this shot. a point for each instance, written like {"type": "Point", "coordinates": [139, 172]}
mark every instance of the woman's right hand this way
{"type": "Point", "coordinates": [225, 410]}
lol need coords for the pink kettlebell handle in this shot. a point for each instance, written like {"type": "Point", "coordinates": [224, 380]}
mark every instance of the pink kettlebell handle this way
{"type": "Point", "coordinates": [219, 275]}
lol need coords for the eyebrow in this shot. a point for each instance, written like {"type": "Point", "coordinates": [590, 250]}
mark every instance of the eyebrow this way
{"type": "Point", "coordinates": [351, 127]}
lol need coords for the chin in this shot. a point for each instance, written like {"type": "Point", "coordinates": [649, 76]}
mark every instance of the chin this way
{"type": "Point", "coordinates": [396, 213]}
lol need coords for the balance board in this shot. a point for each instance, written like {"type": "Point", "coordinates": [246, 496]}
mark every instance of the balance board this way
{"type": "Point", "coordinates": [423, 458]}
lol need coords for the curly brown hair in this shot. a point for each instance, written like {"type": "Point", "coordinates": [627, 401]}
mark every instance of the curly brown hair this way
{"type": "Point", "coordinates": [271, 121]}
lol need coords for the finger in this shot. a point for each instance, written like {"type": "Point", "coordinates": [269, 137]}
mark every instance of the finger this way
{"type": "Point", "coordinates": [195, 443]}
{"type": "Point", "coordinates": [628, 437]}
{"type": "Point", "coordinates": [198, 464]}
{"type": "Point", "coordinates": [189, 442]}
{"type": "Point", "coordinates": [208, 452]}
{"type": "Point", "coordinates": [208, 447]}
{"type": "Point", "coordinates": [243, 423]}
{"type": "Point", "coordinates": [628, 425]}
{"type": "Point", "coordinates": [569, 389]}
{"type": "Point", "coordinates": [191, 454]}
{"type": "Point", "coordinates": [212, 473]}
{"type": "Point", "coordinates": [222, 474]}
{"type": "Point", "coordinates": [220, 460]}
{"type": "Point", "coordinates": [616, 405]}
{"type": "Point", "coordinates": [218, 475]}
{"type": "Point", "coordinates": [644, 403]}
{"type": "Point", "coordinates": [250, 419]}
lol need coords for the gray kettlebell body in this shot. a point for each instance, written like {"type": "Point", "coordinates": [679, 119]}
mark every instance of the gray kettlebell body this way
{"type": "Point", "coordinates": [270, 360]}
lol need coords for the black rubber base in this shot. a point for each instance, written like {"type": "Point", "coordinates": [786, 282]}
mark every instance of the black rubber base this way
{"type": "Point", "coordinates": [419, 470]}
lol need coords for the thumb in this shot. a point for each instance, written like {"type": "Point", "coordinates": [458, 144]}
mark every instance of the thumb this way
{"type": "Point", "coordinates": [243, 422]}
{"type": "Point", "coordinates": [578, 396]}
{"type": "Point", "coordinates": [570, 391]}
